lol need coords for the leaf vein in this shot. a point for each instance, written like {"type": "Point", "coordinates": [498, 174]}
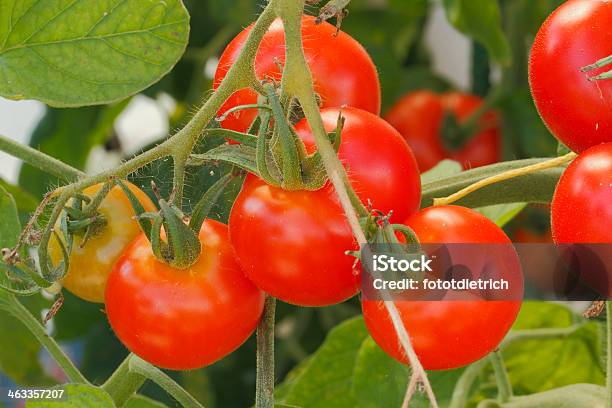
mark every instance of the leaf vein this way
{"type": "Point", "coordinates": [78, 77]}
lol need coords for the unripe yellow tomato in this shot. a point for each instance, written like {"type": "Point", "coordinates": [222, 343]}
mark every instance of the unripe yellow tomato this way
{"type": "Point", "coordinates": [91, 263]}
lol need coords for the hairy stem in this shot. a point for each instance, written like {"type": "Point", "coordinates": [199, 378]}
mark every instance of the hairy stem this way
{"type": "Point", "coordinates": [461, 393]}
{"type": "Point", "coordinates": [504, 387]}
{"type": "Point", "coordinates": [123, 383]}
{"type": "Point", "coordinates": [40, 160]}
{"type": "Point", "coordinates": [141, 367]}
{"type": "Point", "coordinates": [264, 392]}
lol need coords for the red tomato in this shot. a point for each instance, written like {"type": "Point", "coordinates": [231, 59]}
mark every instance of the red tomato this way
{"type": "Point", "coordinates": [447, 334]}
{"type": "Point", "coordinates": [342, 70]}
{"type": "Point", "coordinates": [581, 212]}
{"type": "Point", "coordinates": [577, 111]}
{"type": "Point", "coordinates": [292, 244]}
{"type": "Point", "coordinates": [379, 163]}
{"type": "Point", "coordinates": [183, 319]}
{"type": "Point", "coordinates": [582, 204]}
{"type": "Point", "coordinates": [418, 117]}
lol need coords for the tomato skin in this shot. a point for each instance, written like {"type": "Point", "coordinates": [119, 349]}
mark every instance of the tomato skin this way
{"type": "Point", "coordinates": [418, 116]}
{"type": "Point", "coordinates": [353, 82]}
{"type": "Point", "coordinates": [291, 244]}
{"type": "Point", "coordinates": [446, 334]}
{"type": "Point", "coordinates": [577, 111]}
{"type": "Point", "coordinates": [91, 264]}
{"type": "Point", "coordinates": [183, 319]}
{"type": "Point", "coordinates": [581, 209]}
{"type": "Point", "coordinates": [379, 163]}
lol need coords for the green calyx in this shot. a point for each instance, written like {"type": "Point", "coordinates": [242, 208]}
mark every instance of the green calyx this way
{"type": "Point", "coordinates": [179, 244]}
{"type": "Point", "coordinates": [276, 154]}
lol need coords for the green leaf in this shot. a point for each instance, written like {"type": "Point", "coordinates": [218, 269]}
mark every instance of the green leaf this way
{"type": "Point", "coordinates": [26, 202]}
{"type": "Point", "coordinates": [378, 380]}
{"type": "Point", "coordinates": [540, 365]}
{"type": "Point", "coordinates": [326, 381]}
{"type": "Point", "coordinates": [536, 187]}
{"type": "Point", "coordinates": [70, 53]}
{"type": "Point", "coordinates": [481, 20]}
{"type": "Point", "coordinates": [76, 396]}
{"type": "Point", "coordinates": [572, 396]}
{"type": "Point", "coordinates": [501, 214]}
{"type": "Point", "coordinates": [445, 168]}
{"type": "Point", "coordinates": [68, 135]}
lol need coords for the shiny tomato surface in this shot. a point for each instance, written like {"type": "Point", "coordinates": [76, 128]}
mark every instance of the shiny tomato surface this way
{"type": "Point", "coordinates": [342, 71]}
{"type": "Point", "coordinates": [183, 319]}
{"type": "Point", "coordinates": [576, 110]}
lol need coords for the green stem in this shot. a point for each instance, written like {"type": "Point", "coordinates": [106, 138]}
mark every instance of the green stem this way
{"type": "Point", "coordinates": [539, 334]}
{"type": "Point", "coordinates": [504, 387]}
{"type": "Point", "coordinates": [264, 392]}
{"type": "Point", "coordinates": [461, 393]}
{"type": "Point", "coordinates": [123, 383]}
{"type": "Point", "coordinates": [609, 354]}
{"type": "Point", "coordinates": [141, 367]}
{"type": "Point", "coordinates": [15, 307]}
{"type": "Point", "coordinates": [40, 160]}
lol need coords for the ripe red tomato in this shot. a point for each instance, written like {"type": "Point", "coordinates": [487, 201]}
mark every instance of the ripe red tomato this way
{"type": "Point", "coordinates": [91, 263]}
{"type": "Point", "coordinates": [581, 210]}
{"type": "Point", "coordinates": [378, 161]}
{"type": "Point", "coordinates": [342, 70]}
{"type": "Point", "coordinates": [448, 333]}
{"type": "Point", "coordinates": [292, 244]}
{"type": "Point", "coordinates": [577, 111]}
{"type": "Point", "coordinates": [183, 319]}
{"type": "Point", "coordinates": [418, 117]}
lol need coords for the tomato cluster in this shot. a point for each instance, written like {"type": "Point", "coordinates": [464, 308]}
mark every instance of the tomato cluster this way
{"type": "Point", "coordinates": [294, 245]}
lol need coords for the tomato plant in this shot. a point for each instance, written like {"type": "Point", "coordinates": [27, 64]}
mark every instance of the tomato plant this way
{"type": "Point", "coordinates": [179, 272]}
{"type": "Point", "coordinates": [574, 36]}
{"type": "Point", "coordinates": [419, 117]}
{"type": "Point", "coordinates": [355, 81]}
{"type": "Point", "coordinates": [182, 319]}
{"type": "Point", "coordinates": [452, 333]}
{"type": "Point", "coordinates": [94, 256]}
